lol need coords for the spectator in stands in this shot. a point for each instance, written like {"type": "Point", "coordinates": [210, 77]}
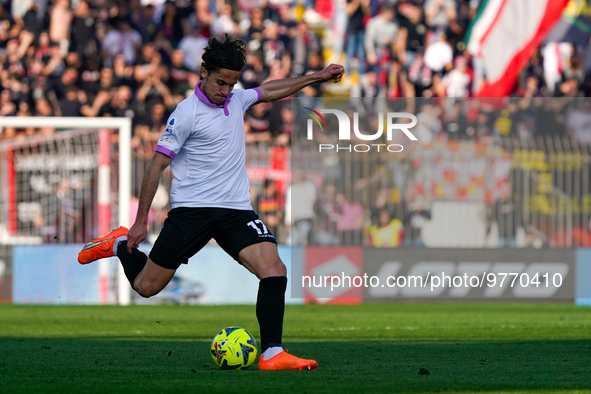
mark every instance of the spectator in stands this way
{"type": "Point", "coordinates": [163, 46]}
{"type": "Point", "coordinates": [383, 201]}
{"type": "Point", "coordinates": [154, 90]}
{"type": "Point", "coordinates": [74, 60]}
{"type": "Point", "coordinates": [146, 23]}
{"type": "Point", "coordinates": [438, 53]}
{"type": "Point", "coordinates": [304, 43]}
{"type": "Point", "coordinates": [257, 124]}
{"type": "Point", "coordinates": [59, 25]}
{"type": "Point", "coordinates": [7, 105]}
{"type": "Point", "coordinates": [350, 223]}
{"type": "Point", "coordinates": [224, 23]}
{"type": "Point", "coordinates": [357, 10]}
{"type": "Point", "coordinates": [573, 70]}
{"type": "Point", "coordinates": [148, 64]}
{"type": "Point", "coordinates": [44, 108]}
{"type": "Point", "coordinates": [121, 39]}
{"type": "Point", "coordinates": [328, 212]}
{"type": "Point", "coordinates": [506, 214]}
{"type": "Point", "coordinates": [90, 78]}
{"type": "Point", "coordinates": [192, 47]}
{"type": "Point", "coordinates": [281, 123]}
{"type": "Point", "coordinates": [84, 39]}
{"type": "Point", "coordinates": [254, 33]}
{"type": "Point", "coordinates": [172, 22]}
{"type": "Point", "coordinates": [420, 76]}
{"type": "Point", "coordinates": [429, 125]}
{"type": "Point", "coordinates": [179, 78]}
{"type": "Point", "coordinates": [454, 121]}
{"type": "Point", "coordinates": [299, 209]}
{"type": "Point", "coordinates": [269, 207]}
{"type": "Point", "coordinates": [439, 14]}
{"type": "Point", "coordinates": [69, 78]}
{"type": "Point", "coordinates": [369, 88]}
{"type": "Point", "coordinates": [273, 48]}
{"type": "Point", "coordinates": [105, 93]}
{"type": "Point", "coordinates": [411, 37]}
{"type": "Point", "coordinates": [150, 127]}
{"type": "Point", "coordinates": [201, 18]}
{"type": "Point", "coordinates": [287, 26]}
{"type": "Point", "coordinates": [8, 28]}
{"type": "Point", "coordinates": [123, 73]}
{"type": "Point", "coordinates": [457, 82]}
{"type": "Point", "coordinates": [531, 88]}
{"type": "Point", "coordinates": [397, 84]}
{"type": "Point", "coordinates": [121, 105]}
{"type": "Point", "coordinates": [255, 71]}
{"type": "Point", "coordinates": [55, 65]}
{"type": "Point", "coordinates": [387, 232]}
{"type": "Point", "coordinates": [43, 47]}
{"type": "Point", "coordinates": [70, 103]}
{"type": "Point", "coordinates": [29, 29]}
{"type": "Point", "coordinates": [338, 29]}
{"type": "Point", "coordinates": [380, 39]}
{"type": "Point", "coordinates": [274, 6]}
{"type": "Point", "coordinates": [24, 109]}
{"type": "Point", "coordinates": [416, 216]}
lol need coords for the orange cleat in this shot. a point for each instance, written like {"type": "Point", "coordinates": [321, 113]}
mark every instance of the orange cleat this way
{"type": "Point", "coordinates": [100, 248]}
{"type": "Point", "coordinates": [285, 360]}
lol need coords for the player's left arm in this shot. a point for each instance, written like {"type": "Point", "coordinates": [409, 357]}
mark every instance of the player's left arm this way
{"type": "Point", "coordinates": [281, 88]}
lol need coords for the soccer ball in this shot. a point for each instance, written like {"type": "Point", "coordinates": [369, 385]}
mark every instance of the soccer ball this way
{"type": "Point", "coordinates": [233, 348]}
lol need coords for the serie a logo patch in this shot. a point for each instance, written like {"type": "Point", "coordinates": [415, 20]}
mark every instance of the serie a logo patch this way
{"type": "Point", "coordinates": [169, 126]}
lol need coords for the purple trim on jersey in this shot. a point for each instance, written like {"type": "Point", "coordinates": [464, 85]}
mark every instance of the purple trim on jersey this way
{"type": "Point", "coordinates": [206, 101]}
{"type": "Point", "coordinates": [165, 151]}
{"type": "Point", "coordinates": [260, 96]}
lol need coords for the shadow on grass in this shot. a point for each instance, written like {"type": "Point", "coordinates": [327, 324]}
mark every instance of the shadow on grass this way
{"type": "Point", "coordinates": [123, 365]}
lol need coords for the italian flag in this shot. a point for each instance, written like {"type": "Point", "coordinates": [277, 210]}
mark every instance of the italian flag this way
{"type": "Point", "coordinates": [505, 34]}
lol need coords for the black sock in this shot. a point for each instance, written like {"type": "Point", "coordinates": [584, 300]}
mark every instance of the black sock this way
{"type": "Point", "coordinates": [270, 309]}
{"type": "Point", "coordinates": [132, 263]}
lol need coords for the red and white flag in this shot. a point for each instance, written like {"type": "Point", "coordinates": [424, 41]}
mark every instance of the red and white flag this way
{"type": "Point", "coordinates": [505, 34]}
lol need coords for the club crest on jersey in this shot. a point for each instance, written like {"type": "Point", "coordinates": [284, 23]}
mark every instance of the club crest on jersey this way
{"type": "Point", "coordinates": [169, 126]}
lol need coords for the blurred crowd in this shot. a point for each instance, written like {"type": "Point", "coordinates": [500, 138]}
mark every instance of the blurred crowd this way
{"type": "Point", "coordinates": [139, 58]}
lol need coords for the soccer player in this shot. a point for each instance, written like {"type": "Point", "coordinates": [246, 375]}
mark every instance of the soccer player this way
{"type": "Point", "coordinates": [203, 142]}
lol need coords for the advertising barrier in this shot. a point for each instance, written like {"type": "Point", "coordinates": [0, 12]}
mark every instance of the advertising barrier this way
{"type": "Point", "coordinates": [583, 277]}
{"type": "Point", "coordinates": [324, 262]}
{"type": "Point", "coordinates": [483, 275]}
{"type": "Point", "coordinates": [50, 274]}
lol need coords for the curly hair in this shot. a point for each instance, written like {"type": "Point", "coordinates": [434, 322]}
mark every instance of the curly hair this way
{"type": "Point", "coordinates": [229, 54]}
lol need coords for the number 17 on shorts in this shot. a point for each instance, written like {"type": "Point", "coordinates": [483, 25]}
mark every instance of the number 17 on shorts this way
{"type": "Point", "coordinates": [260, 228]}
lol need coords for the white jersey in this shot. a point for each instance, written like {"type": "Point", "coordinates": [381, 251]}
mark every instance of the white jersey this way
{"type": "Point", "coordinates": [206, 143]}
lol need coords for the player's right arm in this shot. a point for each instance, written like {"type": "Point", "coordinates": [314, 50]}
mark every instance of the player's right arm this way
{"type": "Point", "coordinates": [137, 233]}
{"type": "Point", "coordinates": [281, 88]}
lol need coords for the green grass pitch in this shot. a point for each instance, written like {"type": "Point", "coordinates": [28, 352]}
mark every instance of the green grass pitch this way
{"type": "Point", "coordinates": [376, 348]}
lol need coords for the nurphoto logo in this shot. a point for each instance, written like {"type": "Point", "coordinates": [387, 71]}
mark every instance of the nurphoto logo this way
{"type": "Point", "coordinates": [390, 120]}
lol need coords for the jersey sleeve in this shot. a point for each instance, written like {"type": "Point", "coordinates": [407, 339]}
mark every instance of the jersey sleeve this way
{"type": "Point", "coordinates": [249, 97]}
{"type": "Point", "coordinates": [177, 130]}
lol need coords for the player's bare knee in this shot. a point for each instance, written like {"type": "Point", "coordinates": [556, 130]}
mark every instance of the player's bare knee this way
{"type": "Point", "coordinates": [274, 268]}
{"type": "Point", "coordinates": [281, 268]}
{"type": "Point", "coordinates": [146, 290]}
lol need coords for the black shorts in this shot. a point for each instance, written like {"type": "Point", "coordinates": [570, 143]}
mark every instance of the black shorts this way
{"type": "Point", "coordinates": [187, 230]}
